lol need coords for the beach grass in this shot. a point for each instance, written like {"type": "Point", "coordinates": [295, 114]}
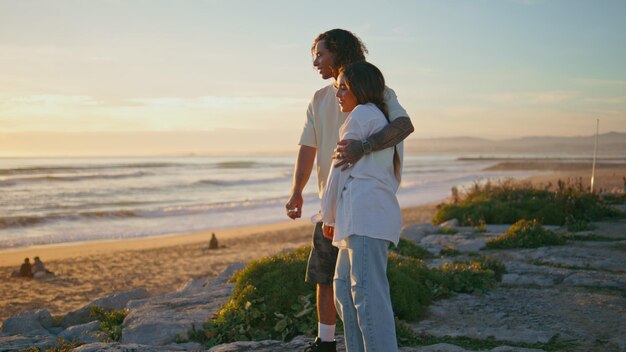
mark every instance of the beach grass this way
{"type": "Point", "coordinates": [566, 203]}
{"type": "Point", "coordinates": [271, 301]}
{"type": "Point", "coordinates": [525, 234]}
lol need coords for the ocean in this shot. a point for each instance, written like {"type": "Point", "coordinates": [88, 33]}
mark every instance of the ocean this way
{"type": "Point", "coordinates": [58, 200]}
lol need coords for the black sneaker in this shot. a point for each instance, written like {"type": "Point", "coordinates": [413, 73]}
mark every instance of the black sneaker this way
{"type": "Point", "coordinates": [322, 346]}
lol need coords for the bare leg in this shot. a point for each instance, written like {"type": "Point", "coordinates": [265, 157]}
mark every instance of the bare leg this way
{"type": "Point", "coordinates": [326, 312]}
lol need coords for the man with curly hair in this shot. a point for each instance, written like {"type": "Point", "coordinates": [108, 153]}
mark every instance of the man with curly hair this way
{"type": "Point", "coordinates": [332, 50]}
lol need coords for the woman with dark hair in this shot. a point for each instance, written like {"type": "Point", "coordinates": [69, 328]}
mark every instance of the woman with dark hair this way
{"type": "Point", "coordinates": [361, 214]}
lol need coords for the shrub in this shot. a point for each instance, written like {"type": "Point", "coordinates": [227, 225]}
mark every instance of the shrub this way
{"type": "Point", "coordinates": [525, 234]}
{"type": "Point", "coordinates": [272, 301]}
{"type": "Point", "coordinates": [409, 248]}
{"type": "Point", "coordinates": [413, 286]}
{"type": "Point", "coordinates": [110, 321]}
{"type": "Point", "coordinates": [449, 251]}
{"type": "Point", "coordinates": [447, 231]}
{"type": "Point", "coordinates": [507, 202]}
{"type": "Point", "coordinates": [467, 277]}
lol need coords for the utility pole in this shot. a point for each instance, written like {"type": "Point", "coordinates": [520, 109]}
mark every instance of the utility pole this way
{"type": "Point", "coordinates": [595, 154]}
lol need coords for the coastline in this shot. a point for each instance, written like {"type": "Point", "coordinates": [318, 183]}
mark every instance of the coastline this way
{"type": "Point", "coordinates": [89, 270]}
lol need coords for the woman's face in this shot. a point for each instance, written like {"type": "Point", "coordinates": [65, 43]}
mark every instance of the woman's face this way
{"type": "Point", "coordinates": [347, 100]}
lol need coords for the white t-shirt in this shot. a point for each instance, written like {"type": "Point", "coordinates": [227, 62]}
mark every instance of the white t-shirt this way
{"type": "Point", "coordinates": [362, 199]}
{"type": "Point", "coordinates": [321, 130]}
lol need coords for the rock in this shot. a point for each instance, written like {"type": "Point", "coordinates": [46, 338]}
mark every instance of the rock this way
{"type": "Point", "coordinates": [417, 232]}
{"type": "Point", "coordinates": [514, 349]}
{"type": "Point", "coordinates": [45, 319]}
{"type": "Point", "coordinates": [464, 242]}
{"type": "Point", "coordinates": [525, 280]}
{"type": "Point", "coordinates": [56, 330]}
{"type": "Point", "coordinates": [440, 347]}
{"type": "Point", "coordinates": [85, 333]}
{"type": "Point", "coordinates": [24, 323]}
{"type": "Point", "coordinates": [23, 343]}
{"type": "Point", "coordinates": [530, 315]}
{"type": "Point", "coordinates": [131, 347]}
{"type": "Point", "coordinates": [202, 284]}
{"type": "Point", "coordinates": [114, 302]}
{"type": "Point", "coordinates": [159, 320]}
{"type": "Point", "coordinates": [298, 343]}
{"type": "Point", "coordinates": [452, 223]}
{"type": "Point", "coordinates": [597, 279]}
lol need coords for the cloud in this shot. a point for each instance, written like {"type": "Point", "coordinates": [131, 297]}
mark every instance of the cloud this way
{"type": "Point", "coordinates": [537, 98]}
{"type": "Point", "coordinates": [612, 100]}
{"type": "Point", "coordinates": [52, 99]}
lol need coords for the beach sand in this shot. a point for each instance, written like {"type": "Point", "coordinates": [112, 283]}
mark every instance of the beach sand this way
{"type": "Point", "coordinates": [89, 270]}
{"type": "Point", "coordinates": [86, 271]}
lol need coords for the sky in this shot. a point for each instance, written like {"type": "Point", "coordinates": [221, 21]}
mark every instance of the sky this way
{"type": "Point", "coordinates": [108, 77]}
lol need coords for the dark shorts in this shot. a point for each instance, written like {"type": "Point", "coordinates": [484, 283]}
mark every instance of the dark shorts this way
{"type": "Point", "coordinates": [322, 260]}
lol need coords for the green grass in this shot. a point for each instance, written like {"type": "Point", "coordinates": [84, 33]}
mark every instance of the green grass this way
{"type": "Point", "coordinates": [525, 234]}
{"type": "Point", "coordinates": [449, 251]}
{"type": "Point", "coordinates": [272, 301]}
{"type": "Point", "coordinates": [110, 321]}
{"type": "Point", "coordinates": [507, 202]}
{"type": "Point", "coordinates": [447, 231]}
{"type": "Point", "coordinates": [409, 248]}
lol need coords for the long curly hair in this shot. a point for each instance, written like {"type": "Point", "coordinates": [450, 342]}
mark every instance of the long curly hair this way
{"type": "Point", "coordinates": [346, 47]}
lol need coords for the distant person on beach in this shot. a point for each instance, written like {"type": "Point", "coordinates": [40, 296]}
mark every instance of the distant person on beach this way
{"type": "Point", "coordinates": [319, 142]}
{"type": "Point", "coordinates": [213, 242]}
{"type": "Point", "coordinates": [26, 270]}
{"type": "Point", "coordinates": [362, 216]}
{"type": "Point", "coordinates": [39, 269]}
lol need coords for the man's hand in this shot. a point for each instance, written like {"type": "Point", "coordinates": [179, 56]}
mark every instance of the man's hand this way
{"type": "Point", "coordinates": [294, 206]}
{"type": "Point", "coordinates": [347, 153]}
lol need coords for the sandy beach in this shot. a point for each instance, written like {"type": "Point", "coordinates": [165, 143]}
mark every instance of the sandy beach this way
{"type": "Point", "coordinates": [89, 270]}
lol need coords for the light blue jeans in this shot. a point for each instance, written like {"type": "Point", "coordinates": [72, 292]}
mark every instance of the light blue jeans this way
{"type": "Point", "coordinates": [362, 296]}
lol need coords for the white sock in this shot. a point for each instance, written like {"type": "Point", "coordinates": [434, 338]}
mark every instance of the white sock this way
{"type": "Point", "coordinates": [326, 332]}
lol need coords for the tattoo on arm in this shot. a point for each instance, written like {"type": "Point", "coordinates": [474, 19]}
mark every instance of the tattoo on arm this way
{"type": "Point", "coordinates": [392, 134]}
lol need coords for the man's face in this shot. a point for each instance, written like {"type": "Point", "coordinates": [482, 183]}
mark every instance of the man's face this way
{"type": "Point", "coordinates": [323, 60]}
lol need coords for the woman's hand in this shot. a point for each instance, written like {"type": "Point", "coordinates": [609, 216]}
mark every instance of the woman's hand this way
{"type": "Point", "coordinates": [329, 231]}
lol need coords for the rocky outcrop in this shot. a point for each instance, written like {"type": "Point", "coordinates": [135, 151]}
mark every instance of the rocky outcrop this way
{"type": "Point", "coordinates": [570, 293]}
{"type": "Point", "coordinates": [28, 323]}
{"type": "Point", "coordinates": [113, 302]}
{"type": "Point", "coordinates": [160, 320]}
{"type": "Point", "coordinates": [84, 333]}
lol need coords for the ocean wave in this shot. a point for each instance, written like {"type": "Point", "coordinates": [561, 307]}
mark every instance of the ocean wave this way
{"type": "Point", "coordinates": [240, 182]}
{"type": "Point", "coordinates": [82, 168]}
{"type": "Point", "coordinates": [33, 220]}
{"type": "Point", "coordinates": [70, 178]}
{"type": "Point", "coordinates": [236, 164]}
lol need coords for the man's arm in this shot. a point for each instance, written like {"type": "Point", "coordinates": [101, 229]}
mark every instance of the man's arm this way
{"type": "Point", "coordinates": [301, 173]}
{"type": "Point", "coordinates": [352, 150]}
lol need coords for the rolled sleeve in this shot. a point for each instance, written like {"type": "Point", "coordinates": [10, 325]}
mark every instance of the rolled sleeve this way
{"type": "Point", "coordinates": [393, 106]}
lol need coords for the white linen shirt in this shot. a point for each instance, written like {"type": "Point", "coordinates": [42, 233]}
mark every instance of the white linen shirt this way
{"type": "Point", "coordinates": [321, 130]}
{"type": "Point", "coordinates": [362, 199]}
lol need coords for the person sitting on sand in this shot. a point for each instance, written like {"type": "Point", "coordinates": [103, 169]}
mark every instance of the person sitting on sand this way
{"type": "Point", "coordinates": [39, 269]}
{"type": "Point", "coordinates": [26, 270]}
{"type": "Point", "coordinates": [213, 242]}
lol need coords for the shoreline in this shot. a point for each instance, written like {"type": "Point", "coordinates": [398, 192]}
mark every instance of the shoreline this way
{"type": "Point", "coordinates": [88, 270]}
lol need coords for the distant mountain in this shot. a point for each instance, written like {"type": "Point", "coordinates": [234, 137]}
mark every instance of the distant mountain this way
{"type": "Point", "coordinates": [611, 143]}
